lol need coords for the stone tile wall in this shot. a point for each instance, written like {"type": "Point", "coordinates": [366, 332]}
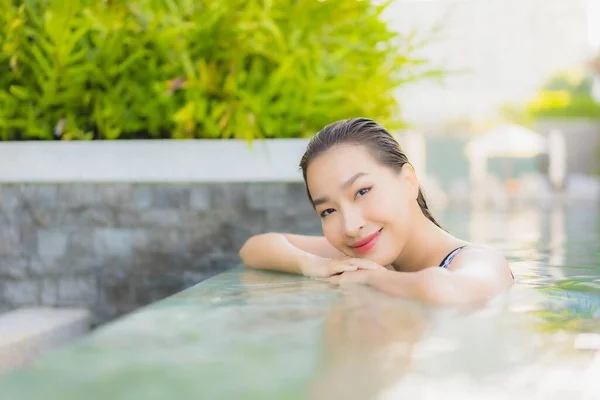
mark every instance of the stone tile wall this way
{"type": "Point", "coordinates": [115, 247]}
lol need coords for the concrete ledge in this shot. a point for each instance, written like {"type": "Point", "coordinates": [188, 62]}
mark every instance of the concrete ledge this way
{"type": "Point", "coordinates": [27, 333]}
{"type": "Point", "coordinates": [152, 161]}
{"type": "Point", "coordinates": [156, 161]}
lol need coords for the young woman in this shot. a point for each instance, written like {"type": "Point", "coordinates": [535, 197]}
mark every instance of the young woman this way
{"type": "Point", "coordinates": [377, 228]}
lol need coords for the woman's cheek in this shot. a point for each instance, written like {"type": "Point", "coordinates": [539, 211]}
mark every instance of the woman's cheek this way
{"type": "Point", "coordinates": [329, 231]}
{"type": "Point", "coordinates": [382, 207]}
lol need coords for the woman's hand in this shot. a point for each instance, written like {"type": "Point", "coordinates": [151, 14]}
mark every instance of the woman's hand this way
{"type": "Point", "coordinates": [349, 278]}
{"type": "Point", "coordinates": [318, 267]}
{"type": "Point", "coordinates": [361, 276]}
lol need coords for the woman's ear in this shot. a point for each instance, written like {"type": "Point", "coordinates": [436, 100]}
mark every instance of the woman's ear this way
{"type": "Point", "coordinates": [409, 176]}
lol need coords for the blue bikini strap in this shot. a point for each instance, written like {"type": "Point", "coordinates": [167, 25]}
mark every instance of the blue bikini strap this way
{"type": "Point", "coordinates": [448, 259]}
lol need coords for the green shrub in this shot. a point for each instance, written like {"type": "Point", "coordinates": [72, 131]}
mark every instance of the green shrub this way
{"type": "Point", "coordinates": [565, 95]}
{"type": "Point", "coordinates": [92, 69]}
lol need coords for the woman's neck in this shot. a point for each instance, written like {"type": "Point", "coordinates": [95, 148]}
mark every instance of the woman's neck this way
{"type": "Point", "coordinates": [426, 247]}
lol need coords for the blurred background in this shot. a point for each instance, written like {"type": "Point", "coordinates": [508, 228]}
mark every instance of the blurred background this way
{"type": "Point", "coordinates": [143, 141]}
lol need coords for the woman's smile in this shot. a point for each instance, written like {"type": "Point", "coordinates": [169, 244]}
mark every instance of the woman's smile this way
{"type": "Point", "coordinates": [366, 244]}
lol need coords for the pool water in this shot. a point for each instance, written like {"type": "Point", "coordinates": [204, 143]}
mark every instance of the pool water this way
{"type": "Point", "coordinates": [249, 334]}
{"type": "Point", "coordinates": [540, 339]}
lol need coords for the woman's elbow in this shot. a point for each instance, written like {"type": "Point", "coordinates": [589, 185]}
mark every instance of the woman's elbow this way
{"type": "Point", "coordinates": [250, 249]}
{"type": "Point", "coordinates": [245, 252]}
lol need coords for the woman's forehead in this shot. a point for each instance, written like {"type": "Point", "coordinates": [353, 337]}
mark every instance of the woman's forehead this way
{"type": "Point", "coordinates": [344, 156]}
{"type": "Point", "coordinates": [334, 167]}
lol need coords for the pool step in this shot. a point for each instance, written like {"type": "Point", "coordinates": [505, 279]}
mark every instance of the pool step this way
{"type": "Point", "coordinates": [28, 332]}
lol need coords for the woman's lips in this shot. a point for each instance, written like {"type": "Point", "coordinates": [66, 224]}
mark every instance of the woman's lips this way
{"type": "Point", "coordinates": [365, 245]}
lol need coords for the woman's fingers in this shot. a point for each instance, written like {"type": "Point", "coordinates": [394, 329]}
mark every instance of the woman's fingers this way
{"type": "Point", "coordinates": [349, 278]}
{"type": "Point", "coordinates": [335, 267]}
{"type": "Point", "coordinates": [345, 267]}
{"type": "Point", "coordinates": [362, 263]}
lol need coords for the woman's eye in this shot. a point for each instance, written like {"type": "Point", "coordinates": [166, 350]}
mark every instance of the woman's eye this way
{"type": "Point", "coordinates": [362, 192]}
{"type": "Point", "coordinates": [327, 212]}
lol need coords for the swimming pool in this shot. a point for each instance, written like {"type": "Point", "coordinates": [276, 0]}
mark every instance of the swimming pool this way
{"type": "Point", "coordinates": [257, 335]}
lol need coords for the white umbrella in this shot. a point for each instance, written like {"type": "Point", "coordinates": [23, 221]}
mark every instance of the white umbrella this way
{"type": "Point", "coordinates": [504, 141]}
{"type": "Point", "coordinates": [508, 141]}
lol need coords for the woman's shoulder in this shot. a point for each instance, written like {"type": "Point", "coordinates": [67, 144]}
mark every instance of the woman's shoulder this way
{"type": "Point", "coordinates": [479, 249]}
{"type": "Point", "coordinates": [480, 259]}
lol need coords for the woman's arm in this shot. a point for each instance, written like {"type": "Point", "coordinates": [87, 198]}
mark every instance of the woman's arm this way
{"type": "Point", "coordinates": [477, 273]}
{"type": "Point", "coordinates": [291, 253]}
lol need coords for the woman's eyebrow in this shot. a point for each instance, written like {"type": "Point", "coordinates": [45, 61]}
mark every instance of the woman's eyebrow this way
{"type": "Point", "coordinates": [345, 185]}
{"type": "Point", "coordinates": [353, 179]}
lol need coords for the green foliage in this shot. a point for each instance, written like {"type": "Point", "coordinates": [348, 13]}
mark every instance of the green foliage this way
{"type": "Point", "coordinates": [578, 107]}
{"type": "Point", "coordinates": [83, 69]}
{"type": "Point", "coordinates": [566, 95]}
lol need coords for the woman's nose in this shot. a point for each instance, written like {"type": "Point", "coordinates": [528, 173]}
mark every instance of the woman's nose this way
{"type": "Point", "coordinates": [353, 222]}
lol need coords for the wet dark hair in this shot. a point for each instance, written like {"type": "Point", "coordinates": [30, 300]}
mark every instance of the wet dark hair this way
{"type": "Point", "coordinates": [365, 132]}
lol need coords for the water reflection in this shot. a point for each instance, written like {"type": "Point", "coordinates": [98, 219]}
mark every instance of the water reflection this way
{"type": "Point", "coordinates": [555, 251]}
{"type": "Point", "coordinates": [367, 344]}
{"type": "Point", "coordinates": [557, 240]}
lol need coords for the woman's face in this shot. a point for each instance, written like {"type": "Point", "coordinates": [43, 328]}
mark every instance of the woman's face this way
{"type": "Point", "coordinates": [366, 209]}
